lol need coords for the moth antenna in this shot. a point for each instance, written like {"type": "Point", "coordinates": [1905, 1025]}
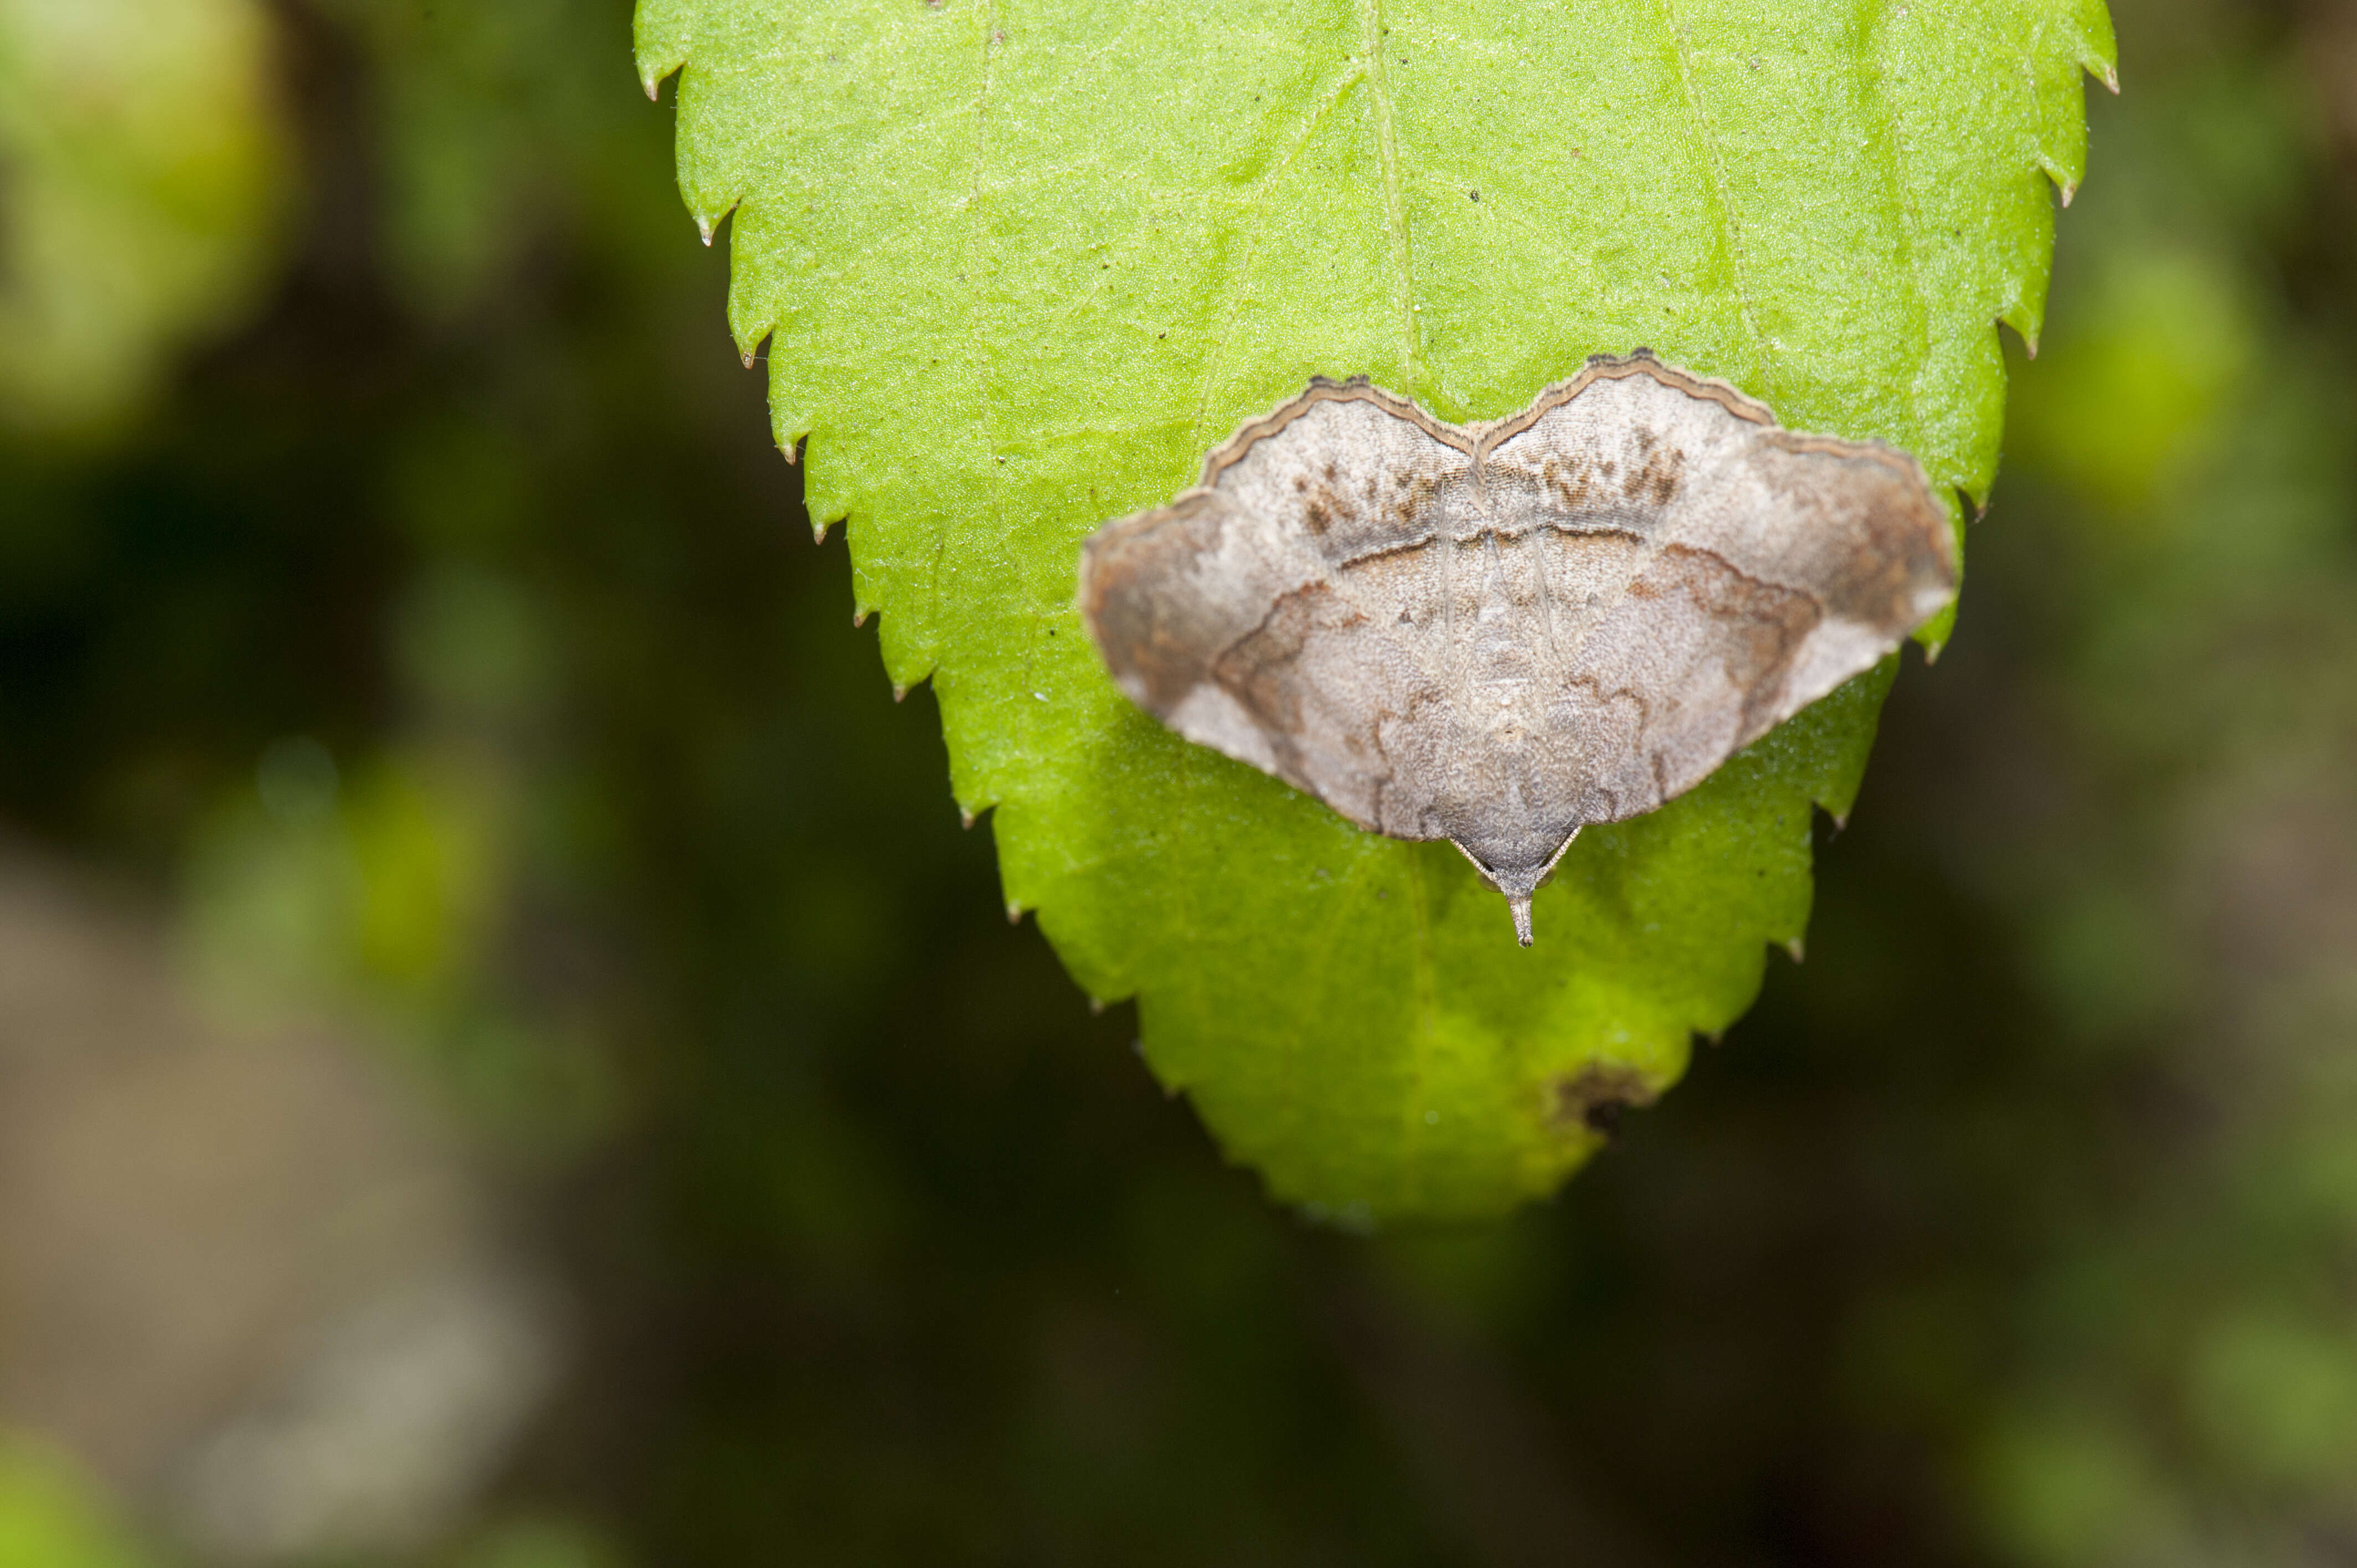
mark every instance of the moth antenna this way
{"type": "Point", "coordinates": [1522, 909]}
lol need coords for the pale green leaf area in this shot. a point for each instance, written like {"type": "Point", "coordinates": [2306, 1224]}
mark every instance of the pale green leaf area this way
{"type": "Point", "coordinates": [1020, 264]}
{"type": "Point", "coordinates": [146, 174]}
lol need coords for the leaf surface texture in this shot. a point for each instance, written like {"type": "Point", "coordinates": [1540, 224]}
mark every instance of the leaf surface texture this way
{"type": "Point", "coordinates": [1020, 266]}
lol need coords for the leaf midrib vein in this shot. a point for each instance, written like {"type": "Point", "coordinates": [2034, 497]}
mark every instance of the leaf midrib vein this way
{"type": "Point", "coordinates": [1722, 207]}
{"type": "Point", "coordinates": [1379, 93]}
{"type": "Point", "coordinates": [1200, 438]}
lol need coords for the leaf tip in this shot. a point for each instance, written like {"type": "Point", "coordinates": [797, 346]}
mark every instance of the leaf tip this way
{"type": "Point", "coordinates": [707, 225]}
{"type": "Point", "coordinates": [655, 64]}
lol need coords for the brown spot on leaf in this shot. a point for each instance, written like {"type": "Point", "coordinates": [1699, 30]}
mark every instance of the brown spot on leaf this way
{"type": "Point", "coordinates": [1599, 1095]}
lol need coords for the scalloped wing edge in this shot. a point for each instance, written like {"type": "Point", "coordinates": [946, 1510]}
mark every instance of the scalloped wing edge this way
{"type": "Point", "coordinates": [665, 34]}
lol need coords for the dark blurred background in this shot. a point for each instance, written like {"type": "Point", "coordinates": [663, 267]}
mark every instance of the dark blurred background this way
{"type": "Point", "coordinates": [507, 1060]}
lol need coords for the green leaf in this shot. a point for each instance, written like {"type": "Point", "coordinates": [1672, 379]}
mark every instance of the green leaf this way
{"type": "Point", "coordinates": [1020, 264]}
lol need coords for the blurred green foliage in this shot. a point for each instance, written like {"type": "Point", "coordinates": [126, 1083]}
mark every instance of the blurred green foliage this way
{"type": "Point", "coordinates": [1000, 312]}
{"type": "Point", "coordinates": [52, 1517]}
{"type": "Point", "coordinates": [145, 158]}
{"type": "Point", "coordinates": [2014, 1227]}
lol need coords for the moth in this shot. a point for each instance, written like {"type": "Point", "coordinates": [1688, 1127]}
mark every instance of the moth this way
{"type": "Point", "coordinates": [1498, 633]}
